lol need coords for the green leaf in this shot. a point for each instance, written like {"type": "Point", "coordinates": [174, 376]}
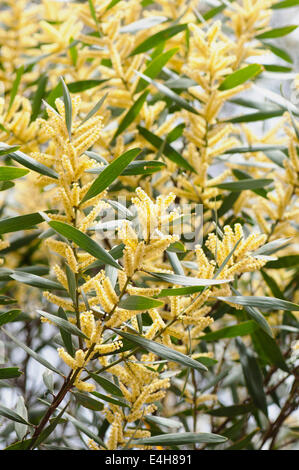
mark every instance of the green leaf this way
{"type": "Point", "coordinates": [140, 167]}
{"type": "Point", "coordinates": [158, 38]}
{"type": "Point", "coordinates": [179, 291]}
{"type": "Point", "coordinates": [106, 384]}
{"type": "Point", "coordinates": [36, 281]}
{"type": "Point", "coordinates": [154, 67]}
{"type": "Point", "coordinates": [10, 414]}
{"type": "Point", "coordinates": [272, 247]}
{"type": "Point", "coordinates": [73, 87]}
{"type": "Point", "coordinates": [241, 185]}
{"type": "Point", "coordinates": [259, 116]}
{"type": "Point", "coordinates": [177, 439]}
{"type": "Point", "coordinates": [161, 350]}
{"type": "Point", "coordinates": [32, 353]}
{"type": "Point", "coordinates": [84, 429]}
{"type": "Point", "coordinates": [253, 376]}
{"type": "Point", "coordinates": [144, 23]}
{"type": "Point", "coordinates": [264, 303]}
{"type": "Point", "coordinates": [48, 380]}
{"type": "Point", "coordinates": [116, 401]}
{"type": "Point", "coordinates": [88, 402]}
{"type": "Point", "coordinates": [277, 32]}
{"type": "Point", "coordinates": [242, 329]}
{"type": "Point", "coordinates": [279, 52]}
{"type": "Point", "coordinates": [20, 428]}
{"type": "Point", "coordinates": [10, 316]}
{"type": "Point", "coordinates": [84, 242]}
{"type": "Point", "coordinates": [32, 164]}
{"type": "Point", "coordinates": [10, 373]}
{"type": "Point", "coordinates": [240, 76]}
{"type": "Point", "coordinates": [167, 149]}
{"type": "Point", "coordinates": [65, 335]}
{"type": "Point", "coordinates": [92, 11]}
{"type": "Point", "coordinates": [269, 348]}
{"type": "Point", "coordinates": [131, 115]}
{"type": "Point", "coordinates": [285, 4]}
{"type": "Point", "coordinates": [232, 411]}
{"type": "Point", "coordinates": [72, 285]}
{"type": "Point", "coordinates": [38, 96]}
{"type": "Point", "coordinates": [289, 261]}
{"type": "Point", "coordinates": [15, 86]}
{"type": "Point", "coordinates": [22, 222]}
{"type": "Point", "coordinates": [161, 421]}
{"type": "Point", "coordinates": [273, 286]}
{"type": "Point", "coordinates": [277, 68]}
{"type": "Point", "coordinates": [143, 167]}
{"type": "Point", "coordinates": [139, 302]}
{"type": "Point", "coordinates": [112, 4]}
{"type": "Point", "coordinates": [188, 281]}
{"type": "Point", "coordinates": [20, 445]}
{"type": "Point", "coordinates": [68, 108]}
{"type": "Point", "coordinates": [110, 173]}
{"type": "Point", "coordinates": [4, 185]}
{"type": "Point", "coordinates": [181, 102]}
{"type": "Point", "coordinates": [7, 149]}
{"type": "Point", "coordinates": [94, 110]}
{"type": "Point", "coordinates": [11, 172]}
{"type": "Point", "coordinates": [63, 324]}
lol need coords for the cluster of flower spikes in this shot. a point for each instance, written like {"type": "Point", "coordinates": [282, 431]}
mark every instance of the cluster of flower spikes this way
{"type": "Point", "coordinates": [141, 386]}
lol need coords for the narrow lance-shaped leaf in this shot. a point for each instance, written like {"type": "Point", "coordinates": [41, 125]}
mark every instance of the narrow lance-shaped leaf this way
{"type": "Point", "coordinates": [84, 242]}
{"type": "Point", "coordinates": [32, 353]}
{"type": "Point", "coordinates": [67, 108]}
{"type": "Point", "coordinates": [10, 414]}
{"type": "Point", "coordinates": [131, 114]}
{"type": "Point", "coordinates": [253, 376]}
{"type": "Point", "coordinates": [64, 324]}
{"type": "Point", "coordinates": [252, 183]}
{"type": "Point", "coordinates": [21, 222]}
{"type": "Point", "coordinates": [158, 38]}
{"type": "Point", "coordinates": [188, 281]}
{"type": "Point", "coordinates": [11, 172]}
{"type": "Point", "coordinates": [139, 302]}
{"type": "Point", "coordinates": [176, 439]}
{"type": "Point", "coordinates": [94, 110]}
{"type": "Point", "coordinates": [106, 384]}
{"type": "Point", "coordinates": [154, 67]}
{"type": "Point", "coordinates": [10, 373]}
{"type": "Point", "coordinates": [269, 349]}
{"type": "Point", "coordinates": [38, 96]}
{"type": "Point", "coordinates": [110, 173]}
{"type": "Point", "coordinates": [8, 317]}
{"type": "Point", "coordinates": [30, 163]}
{"type": "Point", "coordinates": [166, 149]}
{"type": "Point", "coordinates": [161, 350]}
{"type": "Point", "coordinates": [21, 428]}
{"type": "Point", "coordinates": [144, 23]}
{"type": "Point", "coordinates": [256, 315]}
{"type": "Point", "coordinates": [36, 281]}
{"type": "Point", "coordinates": [264, 303]}
{"type": "Point", "coordinates": [242, 329]}
{"type": "Point", "coordinates": [240, 76]}
{"type": "Point", "coordinates": [285, 4]}
{"type": "Point", "coordinates": [66, 335]}
{"type": "Point", "coordinates": [15, 86]}
{"type": "Point", "coordinates": [277, 32]}
{"type": "Point", "coordinates": [181, 102]}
